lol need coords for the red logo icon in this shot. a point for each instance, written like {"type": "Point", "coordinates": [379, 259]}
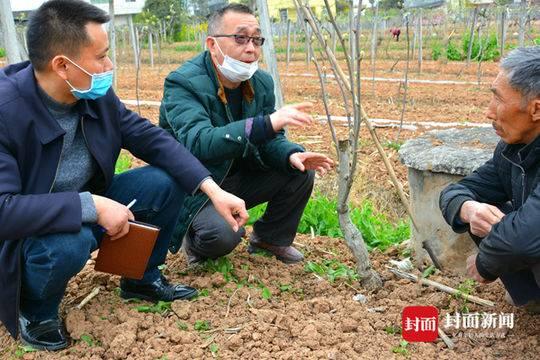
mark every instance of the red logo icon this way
{"type": "Point", "coordinates": [419, 323]}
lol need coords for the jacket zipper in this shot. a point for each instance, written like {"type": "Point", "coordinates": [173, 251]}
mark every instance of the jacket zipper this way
{"type": "Point", "coordinates": [523, 177]}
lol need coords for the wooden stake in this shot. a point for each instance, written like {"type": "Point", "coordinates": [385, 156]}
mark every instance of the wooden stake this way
{"type": "Point", "coordinates": [439, 286]}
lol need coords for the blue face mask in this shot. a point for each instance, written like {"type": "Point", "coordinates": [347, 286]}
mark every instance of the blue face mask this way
{"type": "Point", "coordinates": [100, 84]}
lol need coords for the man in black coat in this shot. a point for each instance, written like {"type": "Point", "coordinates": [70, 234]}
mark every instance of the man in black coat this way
{"type": "Point", "coordinates": [499, 204]}
{"type": "Point", "coordinates": [61, 130]}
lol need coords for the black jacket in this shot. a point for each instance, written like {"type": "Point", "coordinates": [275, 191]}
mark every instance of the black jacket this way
{"type": "Point", "coordinates": [510, 180]}
{"type": "Point", "coordinates": [30, 149]}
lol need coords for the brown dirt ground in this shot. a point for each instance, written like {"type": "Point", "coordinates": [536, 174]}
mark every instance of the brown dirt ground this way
{"type": "Point", "coordinates": [313, 318]}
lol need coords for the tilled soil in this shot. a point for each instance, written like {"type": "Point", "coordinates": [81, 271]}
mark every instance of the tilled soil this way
{"type": "Point", "coordinates": [298, 316]}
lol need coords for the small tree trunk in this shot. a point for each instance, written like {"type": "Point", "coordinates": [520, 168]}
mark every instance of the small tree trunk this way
{"type": "Point", "coordinates": [112, 40]}
{"type": "Point", "coordinates": [151, 48]}
{"type": "Point", "coordinates": [420, 40]}
{"type": "Point", "coordinates": [369, 279]}
{"type": "Point", "coordinates": [288, 42]}
{"type": "Point", "coordinates": [471, 34]}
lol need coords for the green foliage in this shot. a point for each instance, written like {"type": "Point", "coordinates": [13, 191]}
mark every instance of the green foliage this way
{"type": "Point", "coordinates": [188, 47]}
{"type": "Point", "coordinates": [214, 348]}
{"type": "Point", "coordinates": [488, 45]}
{"type": "Point", "coordinates": [123, 163]}
{"type": "Point", "coordinates": [202, 325]}
{"type": "Point", "coordinates": [464, 290]}
{"type": "Point", "coordinates": [392, 330]}
{"type": "Point", "coordinates": [401, 348]}
{"type": "Point", "coordinates": [266, 294]}
{"type": "Point", "coordinates": [21, 350]}
{"type": "Point", "coordinates": [321, 216]}
{"type": "Point", "coordinates": [190, 32]}
{"type": "Point", "coordinates": [181, 325]}
{"type": "Point", "coordinates": [161, 308]}
{"type": "Point", "coordinates": [88, 340]}
{"type": "Point", "coordinates": [436, 51]}
{"type": "Point", "coordinates": [222, 265]}
{"type": "Point", "coordinates": [395, 145]}
{"type": "Point", "coordinates": [203, 293]}
{"type": "Point", "coordinates": [2, 52]}
{"type": "Point", "coordinates": [453, 53]}
{"type": "Point", "coordinates": [331, 269]}
{"type": "Point", "coordinates": [430, 270]}
{"type": "Point", "coordinates": [536, 42]}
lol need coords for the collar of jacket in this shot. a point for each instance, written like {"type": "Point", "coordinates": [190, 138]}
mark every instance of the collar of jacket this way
{"type": "Point", "coordinates": [532, 150]}
{"type": "Point", "coordinates": [247, 89]}
{"type": "Point", "coordinates": [47, 127]}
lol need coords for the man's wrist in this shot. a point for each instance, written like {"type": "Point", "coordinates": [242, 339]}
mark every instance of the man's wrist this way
{"type": "Point", "coordinates": [464, 212]}
{"type": "Point", "coordinates": [209, 187]}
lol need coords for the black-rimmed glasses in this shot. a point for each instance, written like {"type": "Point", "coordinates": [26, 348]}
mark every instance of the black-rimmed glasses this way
{"type": "Point", "coordinates": [244, 39]}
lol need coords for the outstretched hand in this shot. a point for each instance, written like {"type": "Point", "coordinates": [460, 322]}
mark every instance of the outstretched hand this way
{"type": "Point", "coordinates": [311, 161]}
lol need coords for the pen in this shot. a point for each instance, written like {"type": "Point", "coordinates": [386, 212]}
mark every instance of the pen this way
{"type": "Point", "coordinates": [131, 203]}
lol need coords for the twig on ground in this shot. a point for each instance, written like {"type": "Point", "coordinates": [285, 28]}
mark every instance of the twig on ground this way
{"type": "Point", "coordinates": [208, 342]}
{"type": "Point", "coordinates": [229, 303]}
{"type": "Point", "coordinates": [439, 286]}
{"type": "Point", "coordinates": [248, 301]}
{"type": "Point", "coordinates": [446, 339]}
{"type": "Point", "coordinates": [87, 299]}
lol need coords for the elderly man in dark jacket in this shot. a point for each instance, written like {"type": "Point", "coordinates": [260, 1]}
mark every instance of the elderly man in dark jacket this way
{"type": "Point", "coordinates": [499, 204]}
{"type": "Point", "coordinates": [61, 131]}
{"type": "Point", "coordinates": [221, 107]}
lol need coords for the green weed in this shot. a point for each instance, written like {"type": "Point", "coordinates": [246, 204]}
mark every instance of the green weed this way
{"type": "Point", "coordinates": [321, 216]}
{"type": "Point", "coordinates": [21, 350]}
{"type": "Point", "coordinates": [222, 265]}
{"type": "Point", "coordinates": [331, 270]}
{"type": "Point", "coordinates": [2, 52]}
{"type": "Point", "coordinates": [202, 325]}
{"type": "Point", "coordinates": [181, 325]}
{"type": "Point", "coordinates": [161, 308]}
{"type": "Point", "coordinates": [401, 348]}
{"type": "Point", "coordinates": [123, 163]}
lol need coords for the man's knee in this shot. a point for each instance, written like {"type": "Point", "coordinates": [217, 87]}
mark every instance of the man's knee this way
{"type": "Point", "coordinates": [218, 241]}
{"type": "Point", "coordinates": [63, 253]}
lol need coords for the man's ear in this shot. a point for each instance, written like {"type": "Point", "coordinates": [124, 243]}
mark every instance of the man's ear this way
{"type": "Point", "coordinates": [535, 110]}
{"type": "Point", "coordinates": [59, 65]}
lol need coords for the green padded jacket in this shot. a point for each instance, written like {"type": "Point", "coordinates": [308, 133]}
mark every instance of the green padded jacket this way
{"type": "Point", "coordinates": [194, 110]}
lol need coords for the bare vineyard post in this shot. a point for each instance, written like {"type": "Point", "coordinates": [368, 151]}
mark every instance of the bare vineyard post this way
{"type": "Point", "coordinates": [420, 39]}
{"type": "Point", "coordinates": [471, 34]}
{"type": "Point", "coordinates": [288, 42]}
{"type": "Point", "coordinates": [503, 31]}
{"type": "Point", "coordinates": [151, 47]}
{"type": "Point", "coordinates": [269, 51]}
{"type": "Point", "coordinates": [7, 24]}
{"type": "Point", "coordinates": [112, 40]}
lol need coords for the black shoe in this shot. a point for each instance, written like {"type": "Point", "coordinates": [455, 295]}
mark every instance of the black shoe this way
{"type": "Point", "coordinates": [159, 290]}
{"type": "Point", "coordinates": [43, 335]}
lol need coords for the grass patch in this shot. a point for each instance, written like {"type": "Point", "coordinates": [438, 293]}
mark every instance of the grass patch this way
{"type": "Point", "coordinates": [221, 265]}
{"type": "Point", "coordinates": [187, 47]}
{"type": "Point", "coordinates": [2, 52]}
{"type": "Point", "coordinates": [320, 217]}
{"type": "Point", "coordinates": [331, 270]}
{"type": "Point", "coordinates": [123, 163]}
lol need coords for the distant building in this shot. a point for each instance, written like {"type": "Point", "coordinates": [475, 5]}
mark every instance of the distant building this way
{"type": "Point", "coordinates": [122, 8]}
{"type": "Point", "coordinates": [282, 10]}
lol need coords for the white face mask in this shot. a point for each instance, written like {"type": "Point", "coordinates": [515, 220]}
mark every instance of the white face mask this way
{"type": "Point", "coordinates": [236, 70]}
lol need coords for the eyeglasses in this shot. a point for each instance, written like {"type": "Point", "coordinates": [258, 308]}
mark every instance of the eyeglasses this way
{"type": "Point", "coordinates": [244, 39]}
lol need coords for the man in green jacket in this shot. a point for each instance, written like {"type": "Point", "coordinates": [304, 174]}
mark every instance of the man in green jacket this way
{"type": "Point", "coordinates": [221, 107]}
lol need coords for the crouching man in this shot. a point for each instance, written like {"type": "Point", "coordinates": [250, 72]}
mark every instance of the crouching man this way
{"type": "Point", "coordinates": [499, 204]}
{"type": "Point", "coordinates": [61, 130]}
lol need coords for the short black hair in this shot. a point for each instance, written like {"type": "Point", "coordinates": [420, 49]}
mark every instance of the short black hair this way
{"type": "Point", "coordinates": [214, 20]}
{"type": "Point", "coordinates": [58, 26]}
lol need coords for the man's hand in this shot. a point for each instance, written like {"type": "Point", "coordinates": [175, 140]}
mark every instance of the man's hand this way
{"type": "Point", "coordinates": [480, 216]}
{"type": "Point", "coordinates": [112, 216]}
{"type": "Point", "coordinates": [311, 161]}
{"type": "Point", "coordinates": [293, 115]}
{"type": "Point", "coordinates": [472, 271]}
{"type": "Point", "coordinates": [230, 207]}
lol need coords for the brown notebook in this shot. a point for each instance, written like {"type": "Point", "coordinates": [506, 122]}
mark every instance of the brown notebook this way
{"type": "Point", "coordinates": [129, 255]}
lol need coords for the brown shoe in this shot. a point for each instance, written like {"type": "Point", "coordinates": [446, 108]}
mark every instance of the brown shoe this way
{"type": "Point", "coordinates": [286, 254]}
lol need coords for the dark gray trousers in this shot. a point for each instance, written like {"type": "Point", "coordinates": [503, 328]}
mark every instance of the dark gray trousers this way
{"type": "Point", "coordinates": [287, 195]}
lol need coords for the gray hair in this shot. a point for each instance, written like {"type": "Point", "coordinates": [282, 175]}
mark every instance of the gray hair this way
{"type": "Point", "coordinates": [214, 21]}
{"type": "Point", "coordinates": [522, 68]}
